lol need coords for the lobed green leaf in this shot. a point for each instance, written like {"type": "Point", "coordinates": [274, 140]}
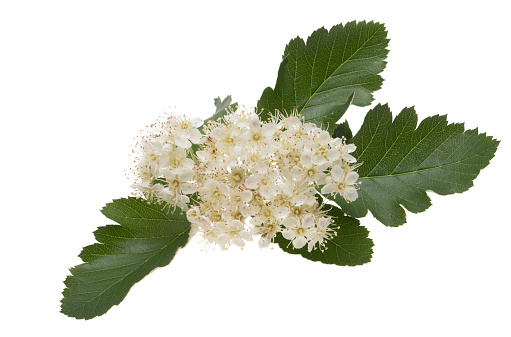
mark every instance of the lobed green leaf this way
{"type": "Point", "coordinates": [320, 77]}
{"type": "Point", "coordinates": [146, 238]}
{"type": "Point", "coordinates": [402, 161]}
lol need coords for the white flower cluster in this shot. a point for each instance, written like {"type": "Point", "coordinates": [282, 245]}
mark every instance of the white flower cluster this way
{"type": "Point", "coordinates": [246, 177]}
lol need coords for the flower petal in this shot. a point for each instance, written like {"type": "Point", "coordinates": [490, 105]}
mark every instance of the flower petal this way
{"type": "Point", "coordinates": [320, 179]}
{"type": "Point", "coordinates": [195, 136]}
{"type": "Point", "coordinates": [186, 175]}
{"type": "Point", "coordinates": [246, 196]}
{"type": "Point", "coordinates": [328, 188]}
{"type": "Point", "coordinates": [245, 235]}
{"type": "Point", "coordinates": [281, 212]}
{"type": "Point", "coordinates": [264, 242]}
{"type": "Point", "coordinates": [296, 171]}
{"type": "Point", "coordinates": [350, 148]}
{"type": "Point", "coordinates": [183, 143]}
{"type": "Point", "coordinates": [351, 178]}
{"type": "Point", "coordinates": [310, 246]}
{"type": "Point", "coordinates": [239, 242]}
{"type": "Point", "coordinates": [337, 173]}
{"type": "Point", "coordinates": [299, 242]}
{"type": "Point", "coordinates": [196, 122]}
{"type": "Point", "coordinates": [308, 220]}
{"type": "Point", "coordinates": [333, 155]}
{"type": "Point", "coordinates": [306, 160]}
{"type": "Point", "coordinates": [254, 124]}
{"type": "Point", "coordinates": [349, 158]}
{"type": "Point", "coordinates": [310, 147]}
{"type": "Point", "coordinates": [237, 225]}
{"type": "Point", "coordinates": [269, 129]}
{"type": "Point", "coordinates": [252, 182]}
{"type": "Point", "coordinates": [290, 222]}
{"type": "Point", "coordinates": [288, 235]}
{"type": "Point", "coordinates": [188, 188]}
{"type": "Point", "coordinates": [324, 137]}
{"type": "Point", "coordinates": [350, 193]}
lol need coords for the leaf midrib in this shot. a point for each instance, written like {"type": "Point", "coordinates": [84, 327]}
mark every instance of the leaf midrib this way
{"type": "Point", "coordinates": [429, 168]}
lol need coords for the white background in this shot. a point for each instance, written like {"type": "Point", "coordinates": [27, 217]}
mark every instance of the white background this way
{"type": "Point", "coordinates": [78, 80]}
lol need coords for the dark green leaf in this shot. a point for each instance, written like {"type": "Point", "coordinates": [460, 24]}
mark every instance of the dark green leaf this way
{"type": "Point", "coordinates": [146, 238]}
{"type": "Point", "coordinates": [350, 247]}
{"type": "Point", "coordinates": [326, 116]}
{"type": "Point", "coordinates": [319, 77]}
{"type": "Point", "coordinates": [401, 162]}
{"type": "Point", "coordinates": [343, 130]}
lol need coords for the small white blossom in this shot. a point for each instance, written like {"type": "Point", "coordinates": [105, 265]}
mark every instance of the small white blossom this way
{"type": "Point", "coordinates": [233, 232]}
{"type": "Point", "coordinates": [320, 233]}
{"type": "Point", "coordinates": [342, 183]}
{"type": "Point", "coordinates": [297, 230]}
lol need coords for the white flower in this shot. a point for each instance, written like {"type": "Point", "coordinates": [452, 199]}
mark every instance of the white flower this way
{"type": "Point", "coordinates": [148, 189]}
{"type": "Point", "coordinates": [259, 136]}
{"type": "Point", "coordinates": [178, 180]}
{"type": "Point", "coordinates": [174, 199]}
{"type": "Point", "coordinates": [233, 232]}
{"type": "Point", "coordinates": [345, 153]}
{"type": "Point", "coordinates": [155, 153]}
{"type": "Point", "coordinates": [185, 131]}
{"type": "Point", "coordinates": [297, 230]}
{"type": "Point", "coordinates": [342, 183]}
{"type": "Point", "coordinates": [267, 230]}
{"type": "Point", "coordinates": [291, 123]}
{"type": "Point", "coordinates": [320, 233]}
{"type": "Point", "coordinates": [178, 158]}
{"type": "Point", "coordinates": [193, 214]}
{"type": "Point", "coordinates": [236, 178]}
{"type": "Point", "coordinates": [264, 180]}
{"type": "Point", "coordinates": [309, 171]}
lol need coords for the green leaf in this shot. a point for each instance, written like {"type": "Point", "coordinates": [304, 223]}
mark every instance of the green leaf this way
{"type": "Point", "coordinates": [221, 108]}
{"type": "Point", "coordinates": [146, 238]}
{"type": "Point", "coordinates": [320, 76]}
{"type": "Point", "coordinates": [401, 162]}
{"type": "Point", "coordinates": [325, 117]}
{"type": "Point", "coordinates": [343, 130]}
{"type": "Point", "coordinates": [350, 247]}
